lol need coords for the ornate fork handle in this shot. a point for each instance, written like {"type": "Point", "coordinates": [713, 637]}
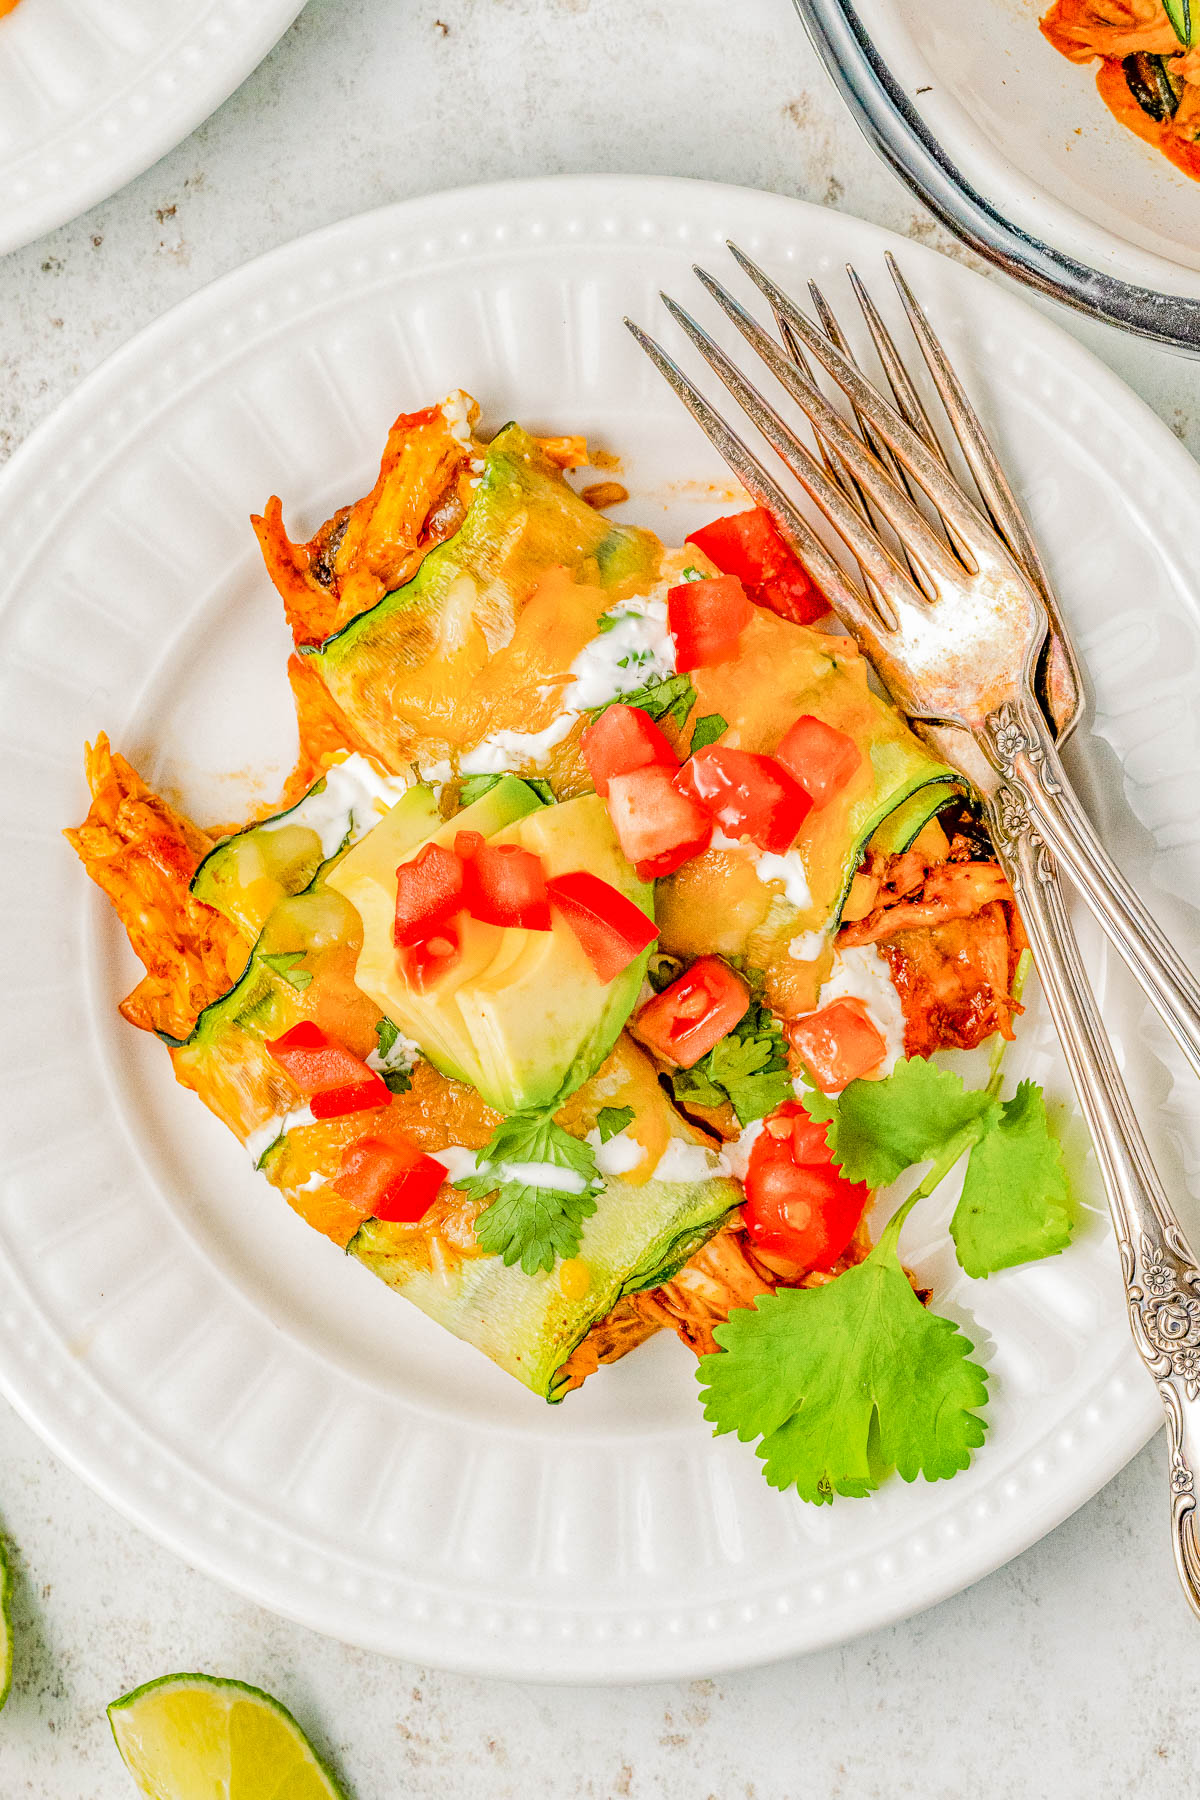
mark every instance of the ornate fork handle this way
{"type": "Point", "coordinates": [1020, 747]}
{"type": "Point", "coordinates": [1162, 1279]}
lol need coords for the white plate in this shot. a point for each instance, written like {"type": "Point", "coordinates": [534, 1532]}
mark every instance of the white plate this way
{"type": "Point", "coordinates": [94, 91]}
{"type": "Point", "coordinates": [206, 1361]}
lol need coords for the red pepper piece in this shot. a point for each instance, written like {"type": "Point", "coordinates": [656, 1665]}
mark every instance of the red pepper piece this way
{"type": "Point", "coordinates": [657, 827]}
{"type": "Point", "coordinates": [821, 757]}
{"type": "Point", "coordinates": [838, 1044]}
{"type": "Point", "coordinates": [624, 738]}
{"type": "Point", "coordinates": [336, 1080]}
{"type": "Point", "coordinates": [424, 963]}
{"type": "Point", "coordinates": [612, 930]}
{"type": "Point", "coordinates": [800, 1208]}
{"type": "Point", "coordinates": [687, 1019]}
{"type": "Point", "coordinates": [747, 545]}
{"type": "Point", "coordinates": [504, 883]}
{"type": "Point", "coordinates": [388, 1178]}
{"type": "Point", "coordinates": [429, 891]}
{"type": "Point", "coordinates": [706, 620]}
{"type": "Point", "coordinates": [748, 795]}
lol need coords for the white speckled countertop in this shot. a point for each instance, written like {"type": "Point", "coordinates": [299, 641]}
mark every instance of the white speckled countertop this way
{"type": "Point", "coordinates": [1073, 1672]}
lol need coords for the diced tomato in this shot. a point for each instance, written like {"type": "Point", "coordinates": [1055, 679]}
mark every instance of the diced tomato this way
{"type": "Point", "coordinates": [336, 1080]}
{"type": "Point", "coordinates": [706, 620]}
{"type": "Point", "coordinates": [839, 1044]}
{"type": "Point", "coordinates": [799, 1206]}
{"type": "Point", "coordinates": [821, 757]}
{"type": "Point", "coordinates": [747, 545]}
{"type": "Point", "coordinates": [388, 1178]}
{"type": "Point", "coordinates": [700, 1008]}
{"type": "Point", "coordinates": [504, 884]}
{"type": "Point", "coordinates": [657, 827]}
{"type": "Point", "coordinates": [612, 930]}
{"type": "Point", "coordinates": [429, 890]}
{"type": "Point", "coordinates": [624, 738]}
{"type": "Point", "coordinates": [423, 964]}
{"type": "Point", "coordinates": [748, 795]}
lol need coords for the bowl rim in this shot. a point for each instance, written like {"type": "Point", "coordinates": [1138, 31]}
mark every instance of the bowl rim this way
{"type": "Point", "coordinates": [899, 135]}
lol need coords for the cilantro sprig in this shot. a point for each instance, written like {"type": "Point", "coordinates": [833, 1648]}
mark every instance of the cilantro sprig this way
{"type": "Point", "coordinates": [532, 1221]}
{"type": "Point", "coordinates": [1015, 1204]}
{"type": "Point", "coordinates": [612, 1120]}
{"type": "Point", "coordinates": [749, 1068]}
{"type": "Point", "coordinates": [847, 1383]}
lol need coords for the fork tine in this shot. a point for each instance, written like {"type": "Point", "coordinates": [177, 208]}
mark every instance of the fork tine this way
{"type": "Point", "coordinates": [945, 493]}
{"type": "Point", "coordinates": [843, 595]}
{"type": "Point", "coordinates": [833, 331]}
{"type": "Point", "coordinates": [990, 478]}
{"type": "Point", "coordinates": [873, 557]}
{"type": "Point", "coordinates": [907, 398]}
{"type": "Point", "coordinates": [910, 525]}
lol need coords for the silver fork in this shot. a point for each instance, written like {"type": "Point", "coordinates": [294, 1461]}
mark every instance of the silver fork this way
{"type": "Point", "coordinates": [961, 662]}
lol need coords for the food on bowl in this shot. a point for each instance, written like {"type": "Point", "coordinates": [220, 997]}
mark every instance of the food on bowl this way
{"type": "Point", "coordinates": [1149, 75]}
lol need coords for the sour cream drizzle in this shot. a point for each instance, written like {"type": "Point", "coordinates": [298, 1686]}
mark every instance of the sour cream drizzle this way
{"type": "Point", "coordinates": [354, 798]}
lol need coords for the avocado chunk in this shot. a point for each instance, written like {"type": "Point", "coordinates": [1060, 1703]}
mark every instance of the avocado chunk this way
{"type": "Point", "coordinates": [522, 1016]}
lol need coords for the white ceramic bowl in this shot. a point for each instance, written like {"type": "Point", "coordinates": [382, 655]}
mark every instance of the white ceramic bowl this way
{"type": "Point", "coordinates": [1012, 147]}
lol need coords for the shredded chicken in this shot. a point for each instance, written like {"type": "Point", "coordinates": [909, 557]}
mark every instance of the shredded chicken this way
{"type": "Point", "coordinates": [951, 934]}
{"type": "Point", "coordinates": [366, 550]}
{"type": "Point", "coordinates": [143, 854]}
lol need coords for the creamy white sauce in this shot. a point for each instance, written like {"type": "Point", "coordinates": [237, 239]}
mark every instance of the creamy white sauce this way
{"type": "Point", "coordinates": [458, 1162]}
{"type": "Point", "coordinates": [620, 1154]}
{"type": "Point", "coordinates": [314, 1181]}
{"type": "Point", "coordinates": [681, 1161]}
{"type": "Point", "coordinates": [355, 797]}
{"type": "Point", "coordinates": [735, 1157]}
{"type": "Point", "coordinates": [268, 1134]}
{"type": "Point", "coordinates": [508, 750]}
{"type": "Point", "coordinates": [401, 1059]}
{"type": "Point", "coordinates": [542, 1175]}
{"type": "Point", "coordinates": [788, 868]}
{"type": "Point", "coordinates": [808, 946]}
{"type": "Point", "coordinates": [636, 650]}
{"type": "Point", "coordinates": [861, 973]}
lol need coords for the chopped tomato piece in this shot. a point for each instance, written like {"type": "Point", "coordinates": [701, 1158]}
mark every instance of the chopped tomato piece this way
{"type": "Point", "coordinates": [624, 738]}
{"type": "Point", "coordinates": [747, 545]}
{"type": "Point", "coordinates": [706, 620]}
{"type": "Point", "coordinates": [429, 890]}
{"type": "Point", "coordinates": [799, 1205]}
{"type": "Point", "coordinates": [336, 1080]}
{"type": "Point", "coordinates": [839, 1044]}
{"type": "Point", "coordinates": [388, 1178]}
{"type": "Point", "coordinates": [748, 795]}
{"type": "Point", "coordinates": [683, 1023]}
{"type": "Point", "coordinates": [612, 930]}
{"type": "Point", "coordinates": [657, 826]}
{"type": "Point", "coordinates": [821, 757]}
{"type": "Point", "coordinates": [504, 884]}
{"type": "Point", "coordinates": [424, 963]}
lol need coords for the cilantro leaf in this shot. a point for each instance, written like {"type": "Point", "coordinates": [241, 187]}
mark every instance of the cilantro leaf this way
{"type": "Point", "coordinates": [692, 573]}
{"type": "Point", "coordinates": [877, 1129]}
{"type": "Point", "coordinates": [286, 963]}
{"type": "Point", "coordinates": [847, 1382]}
{"type": "Point", "coordinates": [611, 1120]}
{"type": "Point", "coordinates": [749, 1068]}
{"type": "Point", "coordinates": [1015, 1205]}
{"type": "Point", "coordinates": [708, 730]}
{"type": "Point", "coordinates": [669, 697]}
{"type": "Point", "coordinates": [391, 1058]}
{"type": "Point", "coordinates": [530, 1221]}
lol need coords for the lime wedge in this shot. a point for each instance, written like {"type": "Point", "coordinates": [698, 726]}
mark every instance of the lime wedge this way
{"type": "Point", "coordinates": [198, 1737]}
{"type": "Point", "coordinates": [5, 1627]}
